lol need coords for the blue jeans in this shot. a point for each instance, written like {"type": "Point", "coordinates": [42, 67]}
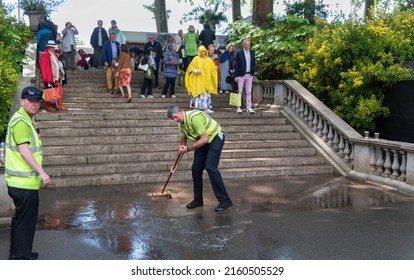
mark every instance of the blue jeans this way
{"type": "Point", "coordinates": [207, 157]}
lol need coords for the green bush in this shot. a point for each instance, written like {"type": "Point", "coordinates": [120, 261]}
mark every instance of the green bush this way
{"type": "Point", "coordinates": [13, 39]}
{"type": "Point", "coordinates": [344, 65]}
{"type": "Point", "coordinates": [274, 46]}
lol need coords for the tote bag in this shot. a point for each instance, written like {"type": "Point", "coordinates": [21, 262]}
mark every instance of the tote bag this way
{"type": "Point", "coordinates": [50, 95]}
{"type": "Point", "coordinates": [235, 99]}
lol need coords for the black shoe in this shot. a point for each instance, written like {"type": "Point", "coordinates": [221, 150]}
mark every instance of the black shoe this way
{"type": "Point", "coordinates": [30, 256]}
{"type": "Point", "coordinates": [194, 204]}
{"type": "Point", "coordinates": [223, 205]}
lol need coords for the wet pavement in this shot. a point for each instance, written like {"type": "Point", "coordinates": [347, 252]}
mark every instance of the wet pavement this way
{"type": "Point", "coordinates": [285, 218]}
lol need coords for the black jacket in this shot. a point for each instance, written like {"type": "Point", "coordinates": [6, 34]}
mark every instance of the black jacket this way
{"type": "Point", "coordinates": [94, 37]}
{"type": "Point", "coordinates": [207, 36]}
{"type": "Point", "coordinates": [241, 63]}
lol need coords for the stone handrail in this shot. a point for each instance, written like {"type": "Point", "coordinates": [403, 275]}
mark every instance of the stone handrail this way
{"type": "Point", "coordinates": [375, 160]}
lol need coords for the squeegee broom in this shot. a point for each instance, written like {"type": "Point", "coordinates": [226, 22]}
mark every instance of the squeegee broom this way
{"type": "Point", "coordinates": [167, 194]}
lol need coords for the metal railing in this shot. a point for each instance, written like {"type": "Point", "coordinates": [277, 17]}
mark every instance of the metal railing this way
{"type": "Point", "coordinates": [364, 158]}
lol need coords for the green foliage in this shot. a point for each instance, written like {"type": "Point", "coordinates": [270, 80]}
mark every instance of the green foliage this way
{"type": "Point", "coordinates": [274, 46]}
{"type": "Point", "coordinates": [44, 7]}
{"type": "Point", "coordinates": [344, 65]}
{"type": "Point", "coordinates": [211, 13]}
{"type": "Point", "coordinates": [13, 39]}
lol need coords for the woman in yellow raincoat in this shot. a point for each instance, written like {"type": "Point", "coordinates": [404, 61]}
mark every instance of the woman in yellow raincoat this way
{"type": "Point", "coordinates": [201, 81]}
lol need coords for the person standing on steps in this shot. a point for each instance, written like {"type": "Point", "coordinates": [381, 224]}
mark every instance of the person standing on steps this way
{"type": "Point", "coordinates": [111, 54]}
{"type": "Point", "coordinates": [156, 46]}
{"type": "Point", "coordinates": [24, 174]}
{"type": "Point", "coordinates": [245, 68]}
{"type": "Point", "coordinates": [98, 37]}
{"type": "Point", "coordinates": [209, 141]}
{"type": "Point", "coordinates": [171, 63]}
{"type": "Point", "coordinates": [124, 73]}
{"type": "Point", "coordinates": [69, 45]}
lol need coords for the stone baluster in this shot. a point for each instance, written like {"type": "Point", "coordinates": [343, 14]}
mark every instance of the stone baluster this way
{"type": "Point", "coordinates": [347, 151]}
{"type": "Point", "coordinates": [341, 146]}
{"type": "Point", "coordinates": [325, 131]}
{"type": "Point", "coordinates": [351, 155]}
{"type": "Point", "coordinates": [310, 118]}
{"type": "Point", "coordinates": [320, 126]}
{"type": "Point", "coordinates": [305, 113]}
{"type": "Point", "coordinates": [387, 163]}
{"type": "Point", "coordinates": [403, 168]}
{"type": "Point", "coordinates": [395, 165]}
{"type": "Point", "coordinates": [380, 161]}
{"type": "Point", "coordinates": [301, 109]}
{"type": "Point", "coordinates": [330, 136]}
{"type": "Point", "coordinates": [372, 160]}
{"type": "Point", "coordinates": [289, 98]}
{"type": "Point", "coordinates": [297, 105]}
{"type": "Point", "coordinates": [315, 121]}
{"type": "Point", "coordinates": [335, 141]}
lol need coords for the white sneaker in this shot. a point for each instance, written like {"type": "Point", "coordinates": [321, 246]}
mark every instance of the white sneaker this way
{"type": "Point", "coordinates": [142, 96]}
{"type": "Point", "coordinates": [162, 96]}
{"type": "Point", "coordinates": [150, 96]}
{"type": "Point", "coordinates": [173, 96]}
{"type": "Point", "coordinates": [239, 110]}
{"type": "Point", "coordinates": [208, 111]}
{"type": "Point", "coordinates": [250, 110]}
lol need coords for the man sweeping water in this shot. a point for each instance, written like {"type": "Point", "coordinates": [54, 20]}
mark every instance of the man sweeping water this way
{"type": "Point", "coordinates": [209, 141]}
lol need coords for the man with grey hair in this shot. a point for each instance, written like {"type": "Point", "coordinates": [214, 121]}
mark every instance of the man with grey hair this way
{"type": "Point", "coordinates": [245, 68]}
{"type": "Point", "coordinates": [208, 139]}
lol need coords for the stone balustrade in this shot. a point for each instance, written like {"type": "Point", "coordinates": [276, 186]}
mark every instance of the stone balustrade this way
{"type": "Point", "coordinates": [375, 160]}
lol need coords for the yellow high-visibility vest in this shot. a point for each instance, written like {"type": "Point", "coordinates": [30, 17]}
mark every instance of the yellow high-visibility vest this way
{"type": "Point", "coordinates": [212, 127]}
{"type": "Point", "coordinates": [18, 173]}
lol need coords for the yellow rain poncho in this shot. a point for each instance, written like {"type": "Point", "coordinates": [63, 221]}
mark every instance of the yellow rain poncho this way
{"type": "Point", "coordinates": [206, 80]}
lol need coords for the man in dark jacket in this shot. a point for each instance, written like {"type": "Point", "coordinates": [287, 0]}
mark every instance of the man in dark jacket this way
{"type": "Point", "coordinates": [111, 51]}
{"type": "Point", "coordinates": [158, 50]}
{"type": "Point", "coordinates": [98, 38]}
{"type": "Point", "coordinates": [245, 68]}
{"type": "Point", "coordinates": [207, 36]}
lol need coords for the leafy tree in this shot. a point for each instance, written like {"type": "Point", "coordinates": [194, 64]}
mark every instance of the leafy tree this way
{"type": "Point", "coordinates": [262, 9]}
{"type": "Point", "coordinates": [14, 36]}
{"type": "Point", "coordinates": [275, 45]}
{"type": "Point", "coordinates": [209, 13]}
{"type": "Point", "coordinates": [308, 9]}
{"type": "Point", "coordinates": [161, 14]}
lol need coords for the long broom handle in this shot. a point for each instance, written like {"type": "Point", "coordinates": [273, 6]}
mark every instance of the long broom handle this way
{"type": "Point", "coordinates": [175, 164]}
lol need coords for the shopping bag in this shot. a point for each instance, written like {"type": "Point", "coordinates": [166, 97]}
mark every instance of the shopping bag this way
{"type": "Point", "coordinates": [149, 74]}
{"type": "Point", "coordinates": [235, 99]}
{"type": "Point", "coordinates": [143, 64]}
{"type": "Point", "coordinates": [50, 95]}
{"type": "Point", "coordinates": [181, 79]}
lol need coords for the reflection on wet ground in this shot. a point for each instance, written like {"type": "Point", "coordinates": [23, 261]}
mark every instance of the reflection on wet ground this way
{"type": "Point", "coordinates": [268, 218]}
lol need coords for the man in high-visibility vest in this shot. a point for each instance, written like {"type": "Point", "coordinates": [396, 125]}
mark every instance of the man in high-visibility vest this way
{"type": "Point", "coordinates": [24, 174]}
{"type": "Point", "coordinates": [209, 141]}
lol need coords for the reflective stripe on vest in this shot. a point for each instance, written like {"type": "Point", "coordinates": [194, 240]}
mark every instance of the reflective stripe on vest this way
{"type": "Point", "coordinates": [212, 127]}
{"type": "Point", "coordinates": [18, 173]}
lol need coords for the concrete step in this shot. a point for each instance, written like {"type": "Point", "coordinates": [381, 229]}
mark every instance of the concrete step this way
{"type": "Point", "coordinates": [162, 147]}
{"type": "Point", "coordinates": [155, 123]}
{"type": "Point", "coordinates": [185, 164]}
{"type": "Point", "coordinates": [156, 178]}
{"type": "Point", "coordinates": [170, 156]}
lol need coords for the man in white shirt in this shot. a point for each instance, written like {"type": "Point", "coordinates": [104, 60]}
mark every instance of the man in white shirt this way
{"type": "Point", "coordinates": [245, 68]}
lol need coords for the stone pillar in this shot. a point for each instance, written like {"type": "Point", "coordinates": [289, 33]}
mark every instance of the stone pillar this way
{"type": "Point", "coordinates": [410, 168]}
{"type": "Point", "coordinates": [257, 93]}
{"type": "Point", "coordinates": [362, 156]}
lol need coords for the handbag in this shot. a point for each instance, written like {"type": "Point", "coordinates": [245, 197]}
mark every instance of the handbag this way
{"type": "Point", "coordinates": [50, 95]}
{"type": "Point", "coordinates": [149, 74]}
{"type": "Point", "coordinates": [235, 99]}
{"type": "Point", "coordinates": [143, 66]}
{"type": "Point", "coordinates": [181, 79]}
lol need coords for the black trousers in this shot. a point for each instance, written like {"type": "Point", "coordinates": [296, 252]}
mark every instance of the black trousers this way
{"type": "Point", "coordinates": [147, 84]}
{"type": "Point", "coordinates": [207, 157]}
{"type": "Point", "coordinates": [23, 224]}
{"type": "Point", "coordinates": [169, 82]}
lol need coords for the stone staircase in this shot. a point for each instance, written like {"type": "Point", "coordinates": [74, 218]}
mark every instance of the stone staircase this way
{"type": "Point", "coordinates": [102, 140]}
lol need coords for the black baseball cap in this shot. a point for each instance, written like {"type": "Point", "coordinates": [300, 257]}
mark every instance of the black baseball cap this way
{"type": "Point", "coordinates": [32, 93]}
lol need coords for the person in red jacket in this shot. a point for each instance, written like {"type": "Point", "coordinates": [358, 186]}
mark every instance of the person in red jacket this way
{"type": "Point", "coordinates": [49, 70]}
